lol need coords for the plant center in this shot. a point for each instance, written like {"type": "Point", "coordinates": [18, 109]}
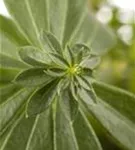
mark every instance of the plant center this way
{"type": "Point", "coordinates": [74, 70]}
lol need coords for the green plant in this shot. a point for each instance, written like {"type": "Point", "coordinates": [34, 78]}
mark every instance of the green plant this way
{"type": "Point", "coordinates": [49, 98]}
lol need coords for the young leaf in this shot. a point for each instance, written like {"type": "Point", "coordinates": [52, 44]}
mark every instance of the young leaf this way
{"type": "Point", "coordinates": [55, 72]}
{"type": "Point", "coordinates": [80, 51]}
{"type": "Point", "coordinates": [59, 60]}
{"type": "Point", "coordinates": [50, 43]}
{"type": "Point", "coordinates": [91, 62]}
{"type": "Point", "coordinates": [70, 56]}
{"type": "Point", "coordinates": [62, 85]}
{"type": "Point", "coordinates": [85, 91]}
{"type": "Point", "coordinates": [42, 98]}
{"type": "Point", "coordinates": [33, 77]}
{"type": "Point", "coordinates": [34, 56]}
{"type": "Point", "coordinates": [95, 35]}
{"type": "Point", "coordinates": [87, 96]}
{"type": "Point", "coordinates": [87, 72]}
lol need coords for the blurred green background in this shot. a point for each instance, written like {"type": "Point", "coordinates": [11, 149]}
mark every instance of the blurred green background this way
{"type": "Point", "coordinates": [118, 65]}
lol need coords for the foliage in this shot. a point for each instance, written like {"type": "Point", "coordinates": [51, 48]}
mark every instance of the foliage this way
{"type": "Point", "coordinates": [49, 97]}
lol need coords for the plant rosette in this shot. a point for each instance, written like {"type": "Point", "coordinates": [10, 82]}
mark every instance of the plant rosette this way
{"type": "Point", "coordinates": [49, 98]}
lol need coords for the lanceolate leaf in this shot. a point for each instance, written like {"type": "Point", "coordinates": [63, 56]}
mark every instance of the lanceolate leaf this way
{"type": "Point", "coordinates": [122, 101]}
{"type": "Point", "coordinates": [9, 62]}
{"type": "Point", "coordinates": [10, 30]}
{"type": "Point", "coordinates": [87, 96]}
{"type": "Point", "coordinates": [66, 19]}
{"type": "Point", "coordinates": [49, 131]}
{"type": "Point", "coordinates": [34, 57]}
{"type": "Point", "coordinates": [32, 20]}
{"type": "Point", "coordinates": [7, 91]}
{"type": "Point", "coordinates": [68, 135]}
{"type": "Point", "coordinates": [46, 115]}
{"type": "Point", "coordinates": [32, 77]}
{"type": "Point", "coordinates": [69, 16]}
{"type": "Point", "coordinates": [60, 61]}
{"type": "Point", "coordinates": [19, 127]}
{"type": "Point", "coordinates": [55, 72]}
{"type": "Point", "coordinates": [7, 75]}
{"type": "Point", "coordinates": [9, 108]}
{"type": "Point", "coordinates": [68, 104]}
{"type": "Point", "coordinates": [120, 128]}
{"type": "Point", "coordinates": [85, 134]}
{"type": "Point", "coordinates": [85, 91]}
{"type": "Point", "coordinates": [8, 47]}
{"type": "Point", "coordinates": [50, 43]}
{"type": "Point", "coordinates": [41, 99]}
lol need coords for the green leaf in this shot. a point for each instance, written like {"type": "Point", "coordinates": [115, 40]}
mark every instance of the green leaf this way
{"type": "Point", "coordinates": [85, 135]}
{"type": "Point", "coordinates": [121, 100]}
{"type": "Point", "coordinates": [85, 91]}
{"type": "Point", "coordinates": [68, 135]}
{"type": "Point", "coordinates": [29, 18]}
{"type": "Point", "coordinates": [69, 104]}
{"type": "Point", "coordinates": [7, 91]}
{"type": "Point", "coordinates": [77, 48]}
{"type": "Point", "coordinates": [73, 24]}
{"type": "Point", "coordinates": [87, 96]}
{"type": "Point", "coordinates": [18, 128]}
{"type": "Point", "coordinates": [87, 72]}
{"type": "Point", "coordinates": [7, 75]}
{"type": "Point", "coordinates": [55, 72]}
{"type": "Point", "coordinates": [50, 130]}
{"type": "Point", "coordinates": [59, 60]}
{"type": "Point", "coordinates": [95, 35]}
{"type": "Point", "coordinates": [10, 107]}
{"type": "Point", "coordinates": [116, 125]}
{"type": "Point", "coordinates": [8, 47]}
{"type": "Point", "coordinates": [62, 85]}
{"type": "Point", "coordinates": [33, 77]}
{"type": "Point", "coordinates": [80, 51]}
{"type": "Point", "coordinates": [63, 132]}
{"type": "Point", "coordinates": [69, 16]}
{"type": "Point", "coordinates": [34, 56]}
{"type": "Point", "coordinates": [9, 62]}
{"type": "Point", "coordinates": [11, 31]}
{"type": "Point", "coordinates": [50, 43]}
{"type": "Point", "coordinates": [42, 99]}
{"type": "Point", "coordinates": [91, 62]}
{"type": "Point", "coordinates": [70, 56]}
